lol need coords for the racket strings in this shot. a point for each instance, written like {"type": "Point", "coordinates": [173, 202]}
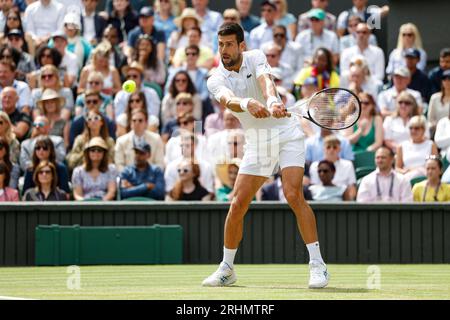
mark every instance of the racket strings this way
{"type": "Point", "coordinates": [335, 109]}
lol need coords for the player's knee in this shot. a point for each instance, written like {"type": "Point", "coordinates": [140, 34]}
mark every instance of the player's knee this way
{"type": "Point", "coordinates": [293, 196]}
{"type": "Point", "coordinates": [238, 205]}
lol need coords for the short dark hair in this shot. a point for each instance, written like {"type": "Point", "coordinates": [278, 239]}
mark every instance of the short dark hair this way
{"type": "Point", "coordinates": [192, 47]}
{"type": "Point", "coordinates": [389, 150]}
{"type": "Point", "coordinates": [445, 53]}
{"type": "Point", "coordinates": [328, 163]}
{"type": "Point", "coordinates": [230, 28]}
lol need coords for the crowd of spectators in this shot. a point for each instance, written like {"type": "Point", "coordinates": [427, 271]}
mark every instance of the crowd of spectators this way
{"type": "Point", "coordinates": [68, 131]}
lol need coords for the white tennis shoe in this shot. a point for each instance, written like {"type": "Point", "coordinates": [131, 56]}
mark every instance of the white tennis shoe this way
{"type": "Point", "coordinates": [224, 276]}
{"type": "Point", "coordinates": [318, 275]}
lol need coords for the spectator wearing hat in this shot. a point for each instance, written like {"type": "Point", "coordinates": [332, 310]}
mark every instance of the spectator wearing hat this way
{"type": "Point", "coordinates": [135, 72]}
{"type": "Point", "coordinates": [146, 26]}
{"type": "Point", "coordinates": [291, 52]}
{"type": "Point", "coordinates": [124, 152]}
{"type": "Point", "coordinates": [69, 61]}
{"type": "Point", "coordinates": [264, 33]}
{"type": "Point", "coordinates": [7, 79]}
{"type": "Point", "coordinates": [212, 20]}
{"type": "Point", "coordinates": [92, 24]}
{"type": "Point", "coordinates": [20, 121]}
{"type": "Point", "coordinates": [96, 178]}
{"type": "Point", "coordinates": [49, 79]}
{"type": "Point", "coordinates": [360, 9]}
{"type": "Point", "coordinates": [384, 184]}
{"type": "Point", "coordinates": [408, 37]}
{"type": "Point", "coordinates": [25, 63]}
{"type": "Point", "coordinates": [93, 101]}
{"type": "Point", "coordinates": [248, 20]}
{"type": "Point", "coordinates": [76, 43]}
{"type": "Point", "coordinates": [440, 105]}
{"type": "Point", "coordinates": [227, 173]}
{"type": "Point", "coordinates": [435, 74]}
{"type": "Point", "coordinates": [100, 62]}
{"type": "Point", "coordinates": [50, 105]}
{"type": "Point", "coordinates": [330, 19]}
{"type": "Point", "coordinates": [386, 99]}
{"type": "Point", "coordinates": [178, 39]}
{"type": "Point", "coordinates": [124, 18]}
{"type": "Point", "coordinates": [317, 36]}
{"type": "Point", "coordinates": [142, 179]}
{"type": "Point", "coordinates": [419, 79]}
{"type": "Point", "coordinates": [363, 48]}
{"type": "Point", "coordinates": [205, 56]}
{"type": "Point", "coordinates": [42, 18]}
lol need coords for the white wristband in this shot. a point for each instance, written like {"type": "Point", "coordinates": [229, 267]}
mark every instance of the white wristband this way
{"type": "Point", "coordinates": [244, 104]}
{"type": "Point", "coordinates": [271, 100]}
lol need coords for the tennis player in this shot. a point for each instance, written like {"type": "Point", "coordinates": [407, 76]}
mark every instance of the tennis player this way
{"type": "Point", "coordinates": [243, 84]}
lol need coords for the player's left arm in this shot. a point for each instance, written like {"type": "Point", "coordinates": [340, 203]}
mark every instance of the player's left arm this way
{"type": "Point", "coordinates": [275, 106]}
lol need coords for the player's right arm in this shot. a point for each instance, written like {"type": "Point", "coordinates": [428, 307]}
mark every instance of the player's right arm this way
{"type": "Point", "coordinates": [228, 100]}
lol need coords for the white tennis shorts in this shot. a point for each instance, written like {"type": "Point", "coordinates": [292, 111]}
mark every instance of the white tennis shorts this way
{"type": "Point", "coordinates": [266, 160]}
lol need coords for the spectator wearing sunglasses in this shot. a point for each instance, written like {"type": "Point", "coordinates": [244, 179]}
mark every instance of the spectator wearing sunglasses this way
{"type": "Point", "coordinates": [15, 44]}
{"type": "Point", "coordinates": [93, 101]}
{"type": "Point", "coordinates": [96, 177]}
{"type": "Point", "coordinates": [188, 186]}
{"type": "Point", "coordinates": [124, 152]}
{"type": "Point", "coordinates": [20, 121]}
{"type": "Point", "coordinates": [46, 55]}
{"type": "Point", "coordinates": [142, 179]}
{"type": "Point", "coordinates": [95, 126]}
{"type": "Point", "coordinates": [205, 54]}
{"type": "Point", "coordinates": [330, 19]}
{"type": "Point", "coordinates": [44, 150]}
{"type": "Point", "coordinates": [327, 190]}
{"type": "Point", "coordinates": [95, 82]}
{"type": "Point", "coordinates": [135, 72]}
{"type": "Point", "coordinates": [45, 178]}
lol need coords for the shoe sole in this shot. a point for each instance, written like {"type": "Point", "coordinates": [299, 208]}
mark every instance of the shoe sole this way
{"type": "Point", "coordinates": [319, 286]}
{"type": "Point", "coordinates": [220, 285]}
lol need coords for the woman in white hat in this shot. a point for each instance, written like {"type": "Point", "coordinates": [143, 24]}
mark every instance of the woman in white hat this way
{"type": "Point", "coordinates": [96, 178]}
{"type": "Point", "coordinates": [76, 43]}
{"type": "Point", "coordinates": [50, 105]}
{"type": "Point", "coordinates": [227, 174]}
{"type": "Point", "coordinates": [178, 39]}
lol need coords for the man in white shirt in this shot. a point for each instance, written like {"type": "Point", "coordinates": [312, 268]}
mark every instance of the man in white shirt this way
{"type": "Point", "coordinates": [345, 172]}
{"type": "Point", "coordinates": [386, 99]}
{"type": "Point", "coordinates": [135, 72]}
{"type": "Point", "coordinates": [42, 18]}
{"type": "Point", "coordinates": [317, 36]}
{"type": "Point", "coordinates": [69, 60]}
{"type": "Point", "coordinates": [243, 84]}
{"type": "Point", "coordinates": [92, 23]}
{"type": "Point", "coordinates": [384, 184]}
{"type": "Point", "coordinates": [263, 33]}
{"type": "Point", "coordinates": [371, 53]}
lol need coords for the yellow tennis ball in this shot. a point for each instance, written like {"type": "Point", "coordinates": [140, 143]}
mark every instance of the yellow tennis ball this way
{"type": "Point", "coordinates": [129, 86]}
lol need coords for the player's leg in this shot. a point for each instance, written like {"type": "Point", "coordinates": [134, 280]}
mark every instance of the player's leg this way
{"type": "Point", "coordinates": [245, 189]}
{"type": "Point", "coordinates": [292, 163]}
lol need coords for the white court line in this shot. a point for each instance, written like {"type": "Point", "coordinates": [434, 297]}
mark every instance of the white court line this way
{"type": "Point", "coordinates": [13, 298]}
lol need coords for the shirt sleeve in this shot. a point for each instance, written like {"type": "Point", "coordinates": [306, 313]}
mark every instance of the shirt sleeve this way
{"type": "Point", "coordinates": [217, 87]}
{"type": "Point", "coordinates": [260, 63]}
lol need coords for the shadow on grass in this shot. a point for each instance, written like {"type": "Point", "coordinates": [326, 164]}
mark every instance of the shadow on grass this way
{"type": "Point", "coordinates": [325, 290]}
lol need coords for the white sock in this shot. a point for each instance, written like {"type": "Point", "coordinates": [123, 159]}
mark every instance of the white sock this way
{"type": "Point", "coordinates": [228, 256]}
{"type": "Point", "coordinates": [314, 251]}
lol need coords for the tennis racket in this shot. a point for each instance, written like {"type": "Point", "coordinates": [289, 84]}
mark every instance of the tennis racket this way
{"type": "Point", "coordinates": [331, 108]}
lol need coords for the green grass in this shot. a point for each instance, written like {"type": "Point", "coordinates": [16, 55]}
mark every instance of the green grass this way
{"type": "Point", "coordinates": [267, 282]}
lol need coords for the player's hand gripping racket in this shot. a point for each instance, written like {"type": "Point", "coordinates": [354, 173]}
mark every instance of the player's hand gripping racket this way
{"type": "Point", "coordinates": [331, 108]}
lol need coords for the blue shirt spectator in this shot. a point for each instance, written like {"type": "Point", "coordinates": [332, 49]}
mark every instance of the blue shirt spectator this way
{"type": "Point", "coordinates": [142, 179]}
{"type": "Point", "coordinates": [314, 147]}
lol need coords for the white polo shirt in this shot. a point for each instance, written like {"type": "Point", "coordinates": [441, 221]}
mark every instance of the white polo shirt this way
{"type": "Point", "coordinates": [245, 85]}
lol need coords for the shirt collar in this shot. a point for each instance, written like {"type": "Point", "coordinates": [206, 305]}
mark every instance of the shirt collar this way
{"type": "Point", "coordinates": [378, 173]}
{"type": "Point", "coordinates": [228, 72]}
